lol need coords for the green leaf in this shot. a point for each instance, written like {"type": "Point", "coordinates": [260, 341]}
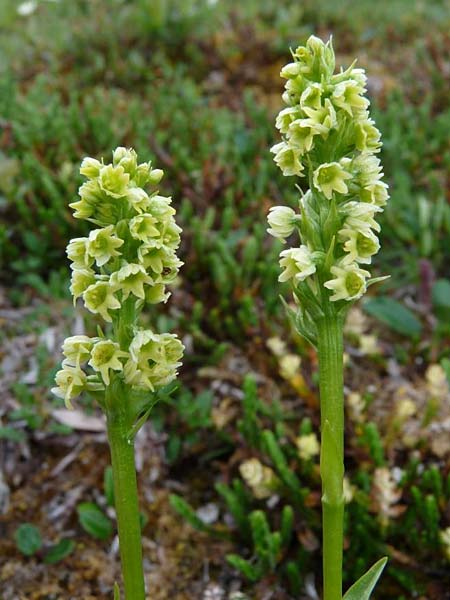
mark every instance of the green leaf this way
{"type": "Point", "coordinates": [94, 521]}
{"type": "Point", "coordinates": [12, 434]}
{"type": "Point", "coordinates": [441, 293]}
{"type": "Point", "coordinates": [251, 572]}
{"type": "Point", "coordinates": [28, 539]}
{"type": "Point", "coordinates": [59, 551]}
{"type": "Point", "coordinates": [187, 512]}
{"type": "Point", "coordinates": [395, 315]}
{"type": "Point", "coordinates": [362, 589]}
{"type": "Point", "coordinates": [116, 591]}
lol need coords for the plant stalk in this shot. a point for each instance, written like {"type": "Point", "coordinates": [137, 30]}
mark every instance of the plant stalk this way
{"type": "Point", "coordinates": [331, 381]}
{"type": "Point", "coordinates": [126, 495]}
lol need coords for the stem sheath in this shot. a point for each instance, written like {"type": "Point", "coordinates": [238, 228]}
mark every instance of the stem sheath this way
{"type": "Point", "coordinates": [330, 346]}
{"type": "Point", "coordinates": [126, 498]}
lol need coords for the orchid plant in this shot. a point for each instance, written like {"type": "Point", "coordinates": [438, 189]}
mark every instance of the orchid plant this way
{"type": "Point", "coordinates": [330, 141]}
{"type": "Point", "coordinates": [123, 265]}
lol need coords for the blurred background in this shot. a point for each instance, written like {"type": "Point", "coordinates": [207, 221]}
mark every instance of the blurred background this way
{"type": "Point", "coordinates": [194, 86]}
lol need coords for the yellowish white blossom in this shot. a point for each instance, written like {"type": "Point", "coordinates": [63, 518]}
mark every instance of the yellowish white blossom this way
{"type": "Point", "coordinates": [297, 263]}
{"type": "Point", "coordinates": [106, 355]}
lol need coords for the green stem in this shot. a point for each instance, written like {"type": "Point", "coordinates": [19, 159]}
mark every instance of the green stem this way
{"type": "Point", "coordinates": [126, 495]}
{"type": "Point", "coordinates": [330, 346]}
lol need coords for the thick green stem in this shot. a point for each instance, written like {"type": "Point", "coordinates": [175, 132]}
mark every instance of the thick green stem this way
{"type": "Point", "coordinates": [330, 345]}
{"type": "Point", "coordinates": [126, 496]}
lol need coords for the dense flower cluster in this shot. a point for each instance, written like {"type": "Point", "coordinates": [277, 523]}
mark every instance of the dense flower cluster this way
{"type": "Point", "coordinates": [123, 264]}
{"type": "Point", "coordinates": [330, 139]}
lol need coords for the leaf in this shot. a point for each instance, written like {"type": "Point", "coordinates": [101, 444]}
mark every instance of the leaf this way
{"type": "Point", "coordinates": [12, 434]}
{"type": "Point", "coordinates": [187, 512]}
{"type": "Point", "coordinates": [441, 293]}
{"type": "Point", "coordinates": [362, 589]}
{"type": "Point", "coordinates": [395, 315]}
{"type": "Point", "coordinates": [59, 551]}
{"type": "Point", "coordinates": [28, 539]}
{"type": "Point", "coordinates": [251, 572]}
{"type": "Point", "coordinates": [116, 591]}
{"type": "Point", "coordinates": [94, 521]}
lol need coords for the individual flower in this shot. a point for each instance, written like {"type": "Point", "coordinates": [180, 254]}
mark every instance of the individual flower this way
{"type": "Point", "coordinates": [360, 246]}
{"type": "Point", "coordinates": [349, 282]}
{"type": "Point", "coordinates": [77, 349]}
{"type": "Point", "coordinates": [80, 281]}
{"type": "Point", "coordinates": [143, 227]}
{"type": "Point", "coordinates": [366, 170]}
{"type": "Point", "coordinates": [77, 252]}
{"type": "Point", "coordinates": [138, 199]}
{"type": "Point", "coordinates": [282, 222]}
{"type": "Point", "coordinates": [285, 118]}
{"type": "Point", "coordinates": [130, 279]}
{"type": "Point", "coordinates": [324, 117]}
{"type": "Point", "coordinates": [155, 294]}
{"type": "Point", "coordinates": [102, 245]}
{"type": "Point", "coordinates": [360, 216]}
{"type": "Point", "coordinates": [91, 196]}
{"type": "Point", "coordinates": [99, 299]}
{"type": "Point", "coordinates": [70, 382]}
{"type": "Point", "coordinates": [162, 261]}
{"type": "Point", "coordinates": [307, 446]}
{"type": "Point", "coordinates": [367, 136]}
{"type": "Point", "coordinates": [375, 193]}
{"type": "Point", "coordinates": [301, 133]}
{"type": "Point", "coordinates": [331, 177]}
{"type": "Point", "coordinates": [126, 158]}
{"type": "Point", "coordinates": [348, 95]}
{"type": "Point", "coordinates": [291, 70]}
{"type": "Point", "coordinates": [159, 207]}
{"type": "Point", "coordinates": [297, 264]}
{"type": "Point", "coordinates": [113, 180]}
{"type": "Point", "coordinates": [106, 355]}
{"type": "Point", "coordinates": [287, 158]}
{"type": "Point", "coordinates": [311, 97]}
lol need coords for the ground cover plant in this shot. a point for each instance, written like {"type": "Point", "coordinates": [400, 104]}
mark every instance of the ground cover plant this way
{"type": "Point", "coordinates": [224, 448]}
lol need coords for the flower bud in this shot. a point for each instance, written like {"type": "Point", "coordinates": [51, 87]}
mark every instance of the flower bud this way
{"type": "Point", "coordinates": [90, 167]}
{"type": "Point", "coordinates": [282, 222]}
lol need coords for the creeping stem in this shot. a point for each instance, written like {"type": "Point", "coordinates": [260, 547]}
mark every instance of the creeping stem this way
{"type": "Point", "coordinates": [125, 491]}
{"type": "Point", "coordinates": [330, 346]}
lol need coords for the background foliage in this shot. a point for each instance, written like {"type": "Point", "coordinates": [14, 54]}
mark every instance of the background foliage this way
{"type": "Point", "coordinates": [194, 86]}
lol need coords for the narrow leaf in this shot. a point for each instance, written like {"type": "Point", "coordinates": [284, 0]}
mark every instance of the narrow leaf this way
{"type": "Point", "coordinates": [116, 591]}
{"type": "Point", "coordinates": [362, 589]}
{"type": "Point", "coordinates": [395, 315]}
